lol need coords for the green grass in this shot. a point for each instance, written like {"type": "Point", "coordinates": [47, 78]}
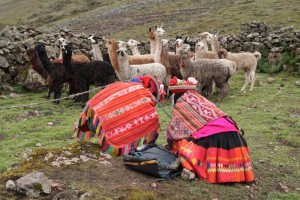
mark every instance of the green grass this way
{"type": "Point", "coordinates": [269, 116]}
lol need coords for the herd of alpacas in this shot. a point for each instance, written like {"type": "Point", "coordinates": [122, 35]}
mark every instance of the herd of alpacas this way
{"type": "Point", "coordinates": [211, 65]}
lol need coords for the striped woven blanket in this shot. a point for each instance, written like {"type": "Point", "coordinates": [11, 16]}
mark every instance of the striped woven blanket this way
{"type": "Point", "coordinates": [122, 115]}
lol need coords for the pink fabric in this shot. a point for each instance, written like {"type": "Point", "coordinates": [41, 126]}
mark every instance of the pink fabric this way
{"type": "Point", "coordinates": [217, 126]}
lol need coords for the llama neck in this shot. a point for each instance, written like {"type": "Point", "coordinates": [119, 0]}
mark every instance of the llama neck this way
{"type": "Point", "coordinates": [164, 57]}
{"type": "Point", "coordinates": [67, 61]}
{"type": "Point", "coordinates": [97, 52]}
{"type": "Point", "coordinates": [185, 65]}
{"type": "Point", "coordinates": [158, 49]}
{"type": "Point", "coordinates": [205, 48]}
{"type": "Point", "coordinates": [112, 52]}
{"type": "Point", "coordinates": [215, 45]}
{"type": "Point", "coordinates": [124, 67]}
{"type": "Point", "coordinates": [135, 50]}
{"type": "Point", "coordinates": [152, 46]}
{"type": "Point", "coordinates": [60, 56]}
{"type": "Point", "coordinates": [177, 49]}
{"type": "Point", "coordinates": [46, 62]}
{"type": "Point", "coordinates": [37, 66]}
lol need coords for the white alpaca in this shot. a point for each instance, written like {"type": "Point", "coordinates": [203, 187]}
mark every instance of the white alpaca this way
{"type": "Point", "coordinates": [129, 71]}
{"type": "Point", "coordinates": [213, 40]}
{"type": "Point", "coordinates": [159, 33]}
{"type": "Point", "coordinates": [95, 48]}
{"type": "Point", "coordinates": [133, 46]}
{"type": "Point", "coordinates": [201, 51]}
{"type": "Point", "coordinates": [62, 42]}
{"type": "Point", "coordinates": [246, 61]}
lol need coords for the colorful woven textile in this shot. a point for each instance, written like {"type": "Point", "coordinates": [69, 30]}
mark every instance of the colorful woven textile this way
{"type": "Point", "coordinates": [123, 115]}
{"type": "Point", "coordinates": [191, 112]}
{"type": "Point", "coordinates": [219, 158]}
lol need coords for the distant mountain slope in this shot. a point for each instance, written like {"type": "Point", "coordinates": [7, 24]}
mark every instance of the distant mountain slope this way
{"type": "Point", "coordinates": [132, 18]}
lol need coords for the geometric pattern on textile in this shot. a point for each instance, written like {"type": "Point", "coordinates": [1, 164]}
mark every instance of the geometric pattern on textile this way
{"type": "Point", "coordinates": [122, 115]}
{"type": "Point", "coordinates": [191, 112]}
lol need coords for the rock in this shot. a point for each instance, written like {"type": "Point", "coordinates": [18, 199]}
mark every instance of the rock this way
{"type": "Point", "coordinates": [297, 83]}
{"type": "Point", "coordinates": [50, 124]}
{"type": "Point", "coordinates": [283, 188]}
{"type": "Point", "coordinates": [87, 195]}
{"type": "Point", "coordinates": [270, 80]}
{"type": "Point", "coordinates": [3, 62]}
{"type": "Point", "coordinates": [10, 185]}
{"type": "Point", "coordinates": [34, 82]}
{"type": "Point", "coordinates": [33, 184]}
{"type": "Point", "coordinates": [38, 145]}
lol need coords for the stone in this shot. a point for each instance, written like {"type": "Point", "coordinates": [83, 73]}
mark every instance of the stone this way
{"type": "Point", "coordinates": [3, 62]}
{"type": "Point", "coordinates": [33, 184]}
{"type": "Point", "coordinates": [10, 185]}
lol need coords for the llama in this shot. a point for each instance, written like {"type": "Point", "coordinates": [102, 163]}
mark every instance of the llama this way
{"type": "Point", "coordinates": [129, 71]}
{"type": "Point", "coordinates": [202, 52]}
{"type": "Point", "coordinates": [37, 66]}
{"type": "Point", "coordinates": [206, 71]}
{"type": "Point", "coordinates": [95, 48]}
{"type": "Point", "coordinates": [95, 72]}
{"type": "Point", "coordinates": [152, 39]}
{"type": "Point", "coordinates": [246, 61]}
{"type": "Point", "coordinates": [55, 72]}
{"type": "Point", "coordinates": [171, 62]}
{"type": "Point", "coordinates": [133, 46]}
{"type": "Point", "coordinates": [212, 39]}
{"type": "Point", "coordinates": [112, 46]}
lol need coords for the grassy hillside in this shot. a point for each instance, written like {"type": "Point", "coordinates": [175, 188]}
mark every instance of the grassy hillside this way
{"type": "Point", "coordinates": [132, 18]}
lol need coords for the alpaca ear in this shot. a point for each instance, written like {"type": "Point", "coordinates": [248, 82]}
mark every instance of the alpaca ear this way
{"type": "Point", "coordinates": [150, 29]}
{"type": "Point", "coordinates": [161, 25]}
{"type": "Point", "coordinates": [155, 26]}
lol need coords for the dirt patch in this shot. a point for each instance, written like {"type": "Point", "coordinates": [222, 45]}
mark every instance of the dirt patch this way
{"type": "Point", "coordinates": [2, 137]}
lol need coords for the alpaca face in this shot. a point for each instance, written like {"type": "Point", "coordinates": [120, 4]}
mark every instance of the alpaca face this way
{"type": "Point", "coordinates": [62, 41]}
{"type": "Point", "coordinates": [165, 43]}
{"type": "Point", "coordinates": [92, 39]}
{"type": "Point", "coordinates": [159, 30]}
{"type": "Point", "coordinates": [122, 44]}
{"type": "Point", "coordinates": [133, 43]}
{"type": "Point", "coordinates": [184, 49]}
{"type": "Point", "coordinates": [199, 46]}
{"type": "Point", "coordinates": [40, 48]}
{"type": "Point", "coordinates": [179, 42]}
{"type": "Point", "coordinates": [152, 34]}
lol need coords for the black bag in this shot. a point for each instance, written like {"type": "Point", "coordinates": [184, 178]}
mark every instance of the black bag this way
{"type": "Point", "coordinates": [154, 160]}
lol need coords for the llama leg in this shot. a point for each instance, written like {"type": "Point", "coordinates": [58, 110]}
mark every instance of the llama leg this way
{"type": "Point", "coordinates": [57, 90]}
{"type": "Point", "coordinates": [247, 81]}
{"type": "Point", "coordinates": [252, 78]}
{"type": "Point", "coordinates": [223, 91]}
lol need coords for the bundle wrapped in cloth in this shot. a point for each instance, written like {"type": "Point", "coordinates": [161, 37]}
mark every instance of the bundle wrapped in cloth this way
{"type": "Point", "coordinates": [179, 86]}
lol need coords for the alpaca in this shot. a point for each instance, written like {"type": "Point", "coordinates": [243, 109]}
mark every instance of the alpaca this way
{"type": "Point", "coordinates": [246, 61]}
{"type": "Point", "coordinates": [171, 62]}
{"type": "Point", "coordinates": [62, 41]}
{"type": "Point", "coordinates": [95, 48]}
{"type": "Point", "coordinates": [212, 39]}
{"type": "Point", "coordinates": [152, 39]}
{"type": "Point", "coordinates": [55, 72]}
{"type": "Point", "coordinates": [201, 51]}
{"type": "Point", "coordinates": [95, 72]}
{"type": "Point", "coordinates": [133, 46]}
{"type": "Point", "coordinates": [112, 48]}
{"type": "Point", "coordinates": [206, 71]}
{"type": "Point", "coordinates": [129, 71]}
{"type": "Point", "coordinates": [37, 66]}
{"type": "Point", "coordinates": [178, 43]}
